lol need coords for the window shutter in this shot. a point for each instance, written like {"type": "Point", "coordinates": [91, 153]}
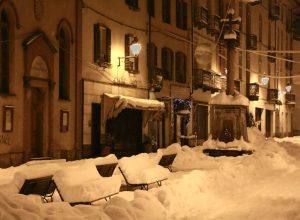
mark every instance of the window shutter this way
{"type": "Point", "coordinates": [184, 68]}
{"type": "Point", "coordinates": [164, 62]}
{"type": "Point", "coordinates": [184, 15]}
{"type": "Point", "coordinates": [178, 13]}
{"type": "Point", "coordinates": [172, 63]}
{"type": "Point", "coordinates": [151, 7]}
{"type": "Point", "coordinates": [96, 43]}
{"type": "Point", "coordinates": [108, 45]}
{"type": "Point", "coordinates": [152, 55]}
{"type": "Point", "coordinates": [128, 63]}
{"type": "Point", "coordinates": [136, 64]}
{"type": "Point", "coordinates": [178, 67]}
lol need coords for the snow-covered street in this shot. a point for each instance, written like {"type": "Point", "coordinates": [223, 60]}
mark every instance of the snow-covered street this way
{"type": "Point", "coordinates": [264, 185]}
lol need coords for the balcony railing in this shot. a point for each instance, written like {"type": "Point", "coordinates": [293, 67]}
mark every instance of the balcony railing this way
{"type": "Point", "coordinates": [253, 91]}
{"type": "Point", "coordinates": [207, 80]}
{"type": "Point", "coordinates": [200, 17]}
{"type": "Point", "coordinates": [214, 24]}
{"type": "Point", "coordinates": [273, 95]}
{"type": "Point", "coordinates": [290, 99]}
{"type": "Point", "coordinates": [251, 42]}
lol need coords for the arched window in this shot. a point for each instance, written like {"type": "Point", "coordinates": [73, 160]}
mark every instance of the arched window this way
{"type": "Point", "coordinates": [4, 53]}
{"type": "Point", "coordinates": [64, 65]}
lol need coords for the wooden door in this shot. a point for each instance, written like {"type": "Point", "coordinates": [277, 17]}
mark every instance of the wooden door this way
{"type": "Point", "coordinates": [268, 122]}
{"type": "Point", "coordinates": [37, 119]}
{"type": "Point", "coordinates": [200, 123]}
{"type": "Point", "coordinates": [96, 129]}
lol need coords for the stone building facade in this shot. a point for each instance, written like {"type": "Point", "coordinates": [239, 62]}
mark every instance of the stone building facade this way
{"type": "Point", "coordinates": [38, 74]}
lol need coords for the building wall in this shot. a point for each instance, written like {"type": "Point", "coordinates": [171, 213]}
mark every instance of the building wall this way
{"type": "Point", "coordinates": [14, 146]}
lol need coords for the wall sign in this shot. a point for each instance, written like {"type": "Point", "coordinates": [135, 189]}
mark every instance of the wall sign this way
{"type": "Point", "coordinates": [8, 116]}
{"type": "Point", "coordinates": [64, 121]}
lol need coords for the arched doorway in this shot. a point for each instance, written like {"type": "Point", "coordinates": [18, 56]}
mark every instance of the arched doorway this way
{"type": "Point", "coordinates": [38, 95]}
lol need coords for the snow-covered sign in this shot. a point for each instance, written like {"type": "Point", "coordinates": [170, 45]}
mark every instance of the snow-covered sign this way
{"type": "Point", "coordinates": [114, 104]}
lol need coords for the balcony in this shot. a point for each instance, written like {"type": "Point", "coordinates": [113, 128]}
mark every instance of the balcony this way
{"type": "Point", "coordinates": [214, 24]}
{"type": "Point", "coordinates": [253, 91]}
{"type": "Point", "coordinates": [200, 17]}
{"type": "Point", "coordinates": [251, 42]}
{"type": "Point", "coordinates": [290, 99]}
{"type": "Point", "coordinates": [207, 80]}
{"type": "Point", "coordinates": [273, 96]}
{"type": "Point", "coordinates": [274, 10]}
{"type": "Point", "coordinates": [255, 2]}
{"type": "Point", "coordinates": [156, 81]}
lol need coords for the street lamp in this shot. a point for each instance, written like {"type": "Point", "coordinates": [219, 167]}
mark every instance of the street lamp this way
{"type": "Point", "coordinates": [135, 48]}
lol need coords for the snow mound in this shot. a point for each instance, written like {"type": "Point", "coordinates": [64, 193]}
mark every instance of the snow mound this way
{"type": "Point", "coordinates": [142, 168]}
{"type": "Point", "coordinates": [171, 149]}
{"type": "Point", "coordinates": [84, 183]}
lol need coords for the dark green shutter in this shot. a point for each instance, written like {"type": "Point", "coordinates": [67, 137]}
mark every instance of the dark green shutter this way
{"type": "Point", "coordinates": [108, 45]}
{"type": "Point", "coordinates": [184, 15]}
{"type": "Point", "coordinates": [151, 7]}
{"type": "Point", "coordinates": [96, 43]}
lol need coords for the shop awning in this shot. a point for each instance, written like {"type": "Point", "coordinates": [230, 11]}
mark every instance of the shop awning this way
{"type": "Point", "coordinates": [114, 104]}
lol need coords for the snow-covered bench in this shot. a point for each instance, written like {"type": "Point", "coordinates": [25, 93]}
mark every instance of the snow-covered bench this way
{"type": "Point", "coordinates": [36, 179]}
{"type": "Point", "coordinates": [106, 165]}
{"type": "Point", "coordinates": [168, 155]}
{"type": "Point", "coordinates": [142, 170]}
{"type": "Point", "coordinates": [83, 184]}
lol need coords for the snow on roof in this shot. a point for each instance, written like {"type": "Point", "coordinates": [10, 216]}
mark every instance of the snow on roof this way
{"type": "Point", "coordinates": [139, 103]}
{"type": "Point", "coordinates": [223, 99]}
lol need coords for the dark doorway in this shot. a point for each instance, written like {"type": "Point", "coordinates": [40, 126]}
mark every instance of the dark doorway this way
{"type": "Point", "coordinates": [96, 129]}
{"type": "Point", "coordinates": [200, 123]}
{"type": "Point", "coordinates": [258, 112]}
{"type": "Point", "coordinates": [268, 122]}
{"type": "Point", "coordinates": [126, 132]}
{"type": "Point", "coordinates": [37, 119]}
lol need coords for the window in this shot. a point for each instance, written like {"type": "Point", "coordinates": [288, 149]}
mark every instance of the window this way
{"type": "Point", "coordinates": [241, 65]}
{"type": "Point", "coordinates": [133, 4]}
{"type": "Point", "coordinates": [181, 14]}
{"type": "Point", "coordinates": [260, 28]}
{"type": "Point", "coordinates": [4, 53]}
{"type": "Point", "coordinates": [166, 11]}
{"type": "Point", "coordinates": [152, 55]}
{"type": "Point", "coordinates": [64, 63]}
{"type": "Point", "coordinates": [167, 63]}
{"type": "Point", "coordinates": [180, 67]}
{"type": "Point", "coordinates": [102, 45]}
{"type": "Point", "coordinates": [131, 62]}
{"type": "Point", "coordinates": [151, 7]}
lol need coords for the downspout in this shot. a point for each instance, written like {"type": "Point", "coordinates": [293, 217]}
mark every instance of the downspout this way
{"type": "Point", "coordinates": [192, 45]}
{"type": "Point", "coordinates": [78, 130]}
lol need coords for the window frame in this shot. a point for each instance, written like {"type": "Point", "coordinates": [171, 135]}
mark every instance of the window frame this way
{"type": "Point", "coordinates": [167, 63]}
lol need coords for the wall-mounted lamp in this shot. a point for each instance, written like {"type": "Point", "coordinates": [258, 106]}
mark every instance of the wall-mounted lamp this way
{"type": "Point", "coordinates": [264, 80]}
{"type": "Point", "coordinates": [288, 87]}
{"type": "Point", "coordinates": [135, 49]}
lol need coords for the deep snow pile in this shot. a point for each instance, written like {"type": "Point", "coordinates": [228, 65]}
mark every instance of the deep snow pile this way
{"type": "Point", "coordinates": [264, 185]}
